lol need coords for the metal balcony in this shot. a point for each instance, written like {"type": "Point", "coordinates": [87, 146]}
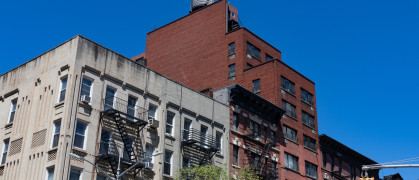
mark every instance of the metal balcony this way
{"type": "Point", "coordinates": [127, 110]}
{"type": "Point", "coordinates": [196, 137]}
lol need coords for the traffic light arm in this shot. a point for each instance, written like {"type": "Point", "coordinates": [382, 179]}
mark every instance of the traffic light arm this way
{"type": "Point", "coordinates": [379, 166]}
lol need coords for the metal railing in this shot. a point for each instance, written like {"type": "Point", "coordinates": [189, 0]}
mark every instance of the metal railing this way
{"type": "Point", "coordinates": [198, 137]}
{"type": "Point", "coordinates": [131, 111]}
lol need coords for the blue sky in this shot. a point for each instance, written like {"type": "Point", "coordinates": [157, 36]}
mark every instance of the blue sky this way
{"type": "Point", "coordinates": [363, 55]}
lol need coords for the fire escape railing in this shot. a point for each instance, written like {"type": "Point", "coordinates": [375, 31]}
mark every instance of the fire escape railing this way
{"type": "Point", "coordinates": [204, 142]}
{"type": "Point", "coordinates": [123, 114]}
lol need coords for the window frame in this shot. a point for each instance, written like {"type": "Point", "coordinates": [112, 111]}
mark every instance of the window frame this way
{"type": "Point", "coordinates": [255, 129]}
{"type": "Point", "coordinates": [61, 95]}
{"type": "Point", "coordinates": [5, 150]}
{"type": "Point", "coordinates": [292, 112]}
{"type": "Point", "coordinates": [90, 87]}
{"type": "Point", "coordinates": [295, 162]}
{"type": "Point", "coordinates": [102, 140]}
{"type": "Point", "coordinates": [76, 170]}
{"type": "Point", "coordinates": [150, 157]}
{"type": "Point", "coordinates": [236, 155]}
{"type": "Point", "coordinates": [170, 163]}
{"type": "Point", "coordinates": [286, 85]}
{"type": "Point", "coordinates": [308, 117]}
{"type": "Point", "coordinates": [84, 135]}
{"type": "Point", "coordinates": [231, 71]}
{"type": "Point", "coordinates": [108, 106]}
{"type": "Point", "coordinates": [236, 122]}
{"type": "Point", "coordinates": [134, 108]}
{"type": "Point", "coordinates": [286, 129]}
{"type": "Point", "coordinates": [256, 86]}
{"type": "Point", "coordinates": [155, 111]}
{"type": "Point", "coordinates": [305, 94]}
{"type": "Point", "coordinates": [231, 49]}
{"type": "Point", "coordinates": [55, 134]}
{"type": "Point", "coordinates": [172, 125]}
{"type": "Point", "coordinates": [308, 139]}
{"type": "Point", "coordinates": [307, 170]}
{"type": "Point", "coordinates": [270, 57]}
{"type": "Point", "coordinates": [12, 112]}
{"type": "Point", "coordinates": [252, 50]}
{"type": "Point", "coordinates": [219, 141]}
{"type": "Point", "coordinates": [48, 172]}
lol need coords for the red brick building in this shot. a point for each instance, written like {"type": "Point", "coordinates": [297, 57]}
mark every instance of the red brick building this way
{"type": "Point", "coordinates": [208, 50]}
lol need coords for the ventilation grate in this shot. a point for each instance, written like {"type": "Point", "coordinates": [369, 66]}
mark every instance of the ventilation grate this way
{"type": "Point", "coordinates": [52, 155]}
{"type": "Point", "coordinates": [38, 138]}
{"type": "Point", "coordinates": [1, 170]}
{"type": "Point", "coordinates": [16, 146]}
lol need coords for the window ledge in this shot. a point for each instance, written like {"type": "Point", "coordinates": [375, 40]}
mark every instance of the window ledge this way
{"type": "Point", "coordinates": [237, 132]}
{"type": "Point", "coordinates": [59, 104]}
{"type": "Point", "coordinates": [85, 105]}
{"type": "Point", "coordinates": [309, 126]}
{"type": "Point", "coordinates": [295, 142]}
{"type": "Point", "coordinates": [252, 57]}
{"type": "Point", "coordinates": [236, 166]}
{"type": "Point", "coordinates": [79, 150]}
{"type": "Point", "coordinates": [8, 125]}
{"type": "Point", "coordinates": [312, 150]}
{"type": "Point", "coordinates": [311, 105]}
{"type": "Point", "coordinates": [167, 176]}
{"type": "Point", "coordinates": [169, 136]}
{"type": "Point", "coordinates": [310, 177]}
{"type": "Point", "coordinates": [52, 149]}
{"type": "Point", "coordinates": [293, 118]}
{"type": "Point", "coordinates": [219, 155]}
{"type": "Point", "coordinates": [288, 92]}
{"type": "Point", "coordinates": [292, 170]}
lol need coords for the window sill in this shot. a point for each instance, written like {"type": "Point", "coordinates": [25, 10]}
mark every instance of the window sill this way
{"type": "Point", "coordinates": [310, 177]}
{"type": "Point", "coordinates": [311, 105]}
{"type": "Point", "coordinates": [52, 149]}
{"type": "Point", "coordinates": [231, 56]}
{"type": "Point", "coordinates": [167, 176]}
{"type": "Point", "coordinates": [288, 92]}
{"type": "Point", "coordinates": [309, 126]}
{"type": "Point", "coordinates": [219, 155]}
{"type": "Point", "coordinates": [237, 132]}
{"type": "Point", "coordinates": [256, 92]}
{"type": "Point", "coordinates": [8, 125]}
{"type": "Point", "coordinates": [293, 118]}
{"type": "Point", "coordinates": [79, 150]}
{"type": "Point", "coordinates": [295, 142]}
{"type": "Point", "coordinates": [252, 57]}
{"type": "Point", "coordinates": [312, 150]}
{"type": "Point", "coordinates": [58, 104]}
{"type": "Point", "coordinates": [86, 105]}
{"type": "Point", "coordinates": [236, 166]}
{"type": "Point", "coordinates": [169, 136]}
{"type": "Point", "coordinates": [292, 170]}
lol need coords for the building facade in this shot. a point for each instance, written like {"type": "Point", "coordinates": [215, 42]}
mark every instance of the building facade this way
{"type": "Point", "coordinates": [255, 132]}
{"type": "Point", "coordinates": [208, 50]}
{"type": "Point", "coordinates": [341, 162]}
{"type": "Point", "coordinates": [85, 99]}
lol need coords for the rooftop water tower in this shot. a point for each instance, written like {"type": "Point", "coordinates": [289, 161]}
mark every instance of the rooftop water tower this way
{"type": "Point", "coordinates": [197, 4]}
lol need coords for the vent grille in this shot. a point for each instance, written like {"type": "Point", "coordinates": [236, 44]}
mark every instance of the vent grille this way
{"type": "Point", "coordinates": [16, 146]}
{"type": "Point", "coordinates": [52, 155]}
{"type": "Point", "coordinates": [38, 138]}
{"type": "Point", "coordinates": [1, 170]}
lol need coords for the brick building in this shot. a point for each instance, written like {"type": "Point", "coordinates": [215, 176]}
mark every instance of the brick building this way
{"type": "Point", "coordinates": [208, 50]}
{"type": "Point", "coordinates": [342, 162]}
{"type": "Point", "coordinates": [255, 132]}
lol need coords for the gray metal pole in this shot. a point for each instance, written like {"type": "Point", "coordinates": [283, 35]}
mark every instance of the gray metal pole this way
{"type": "Point", "coordinates": [379, 166]}
{"type": "Point", "coordinates": [119, 164]}
{"type": "Point", "coordinates": [107, 176]}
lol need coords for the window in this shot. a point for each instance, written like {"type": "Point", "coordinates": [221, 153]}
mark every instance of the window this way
{"type": "Point", "coordinates": [219, 140]}
{"type": "Point", "coordinates": [149, 151]}
{"type": "Point", "coordinates": [50, 173]}
{"type": "Point", "coordinates": [311, 170]}
{"type": "Point", "coordinates": [186, 162]}
{"type": "Point", "coordinates": [63, 87]}
{"type": "Point", "coordinates": [309, 143]}
{"type": "Point", "coordinates": [332, 163]}
{"type": "Point", "coordinates": [254, 160]}
{"type": "Point", "coordinates": [235, 121]}
{"type": "Point", "coordinates": [169, 123]}
{"type": "Point", "coordinates": [324, 159]}
{"type": "Point", "coordinates": [75, 174]}
{"type": "Point", "coordinates": [86, 87]}
{"type": "Point", "coordinates": [187, 127]}
{"type": "Point", "coordinates": [287, 85]}
{"type": "Point", "coordinates": [291, 162]}
{"type": "Point", "coordinates": [268, 58]}
{"type": "Point", "coordinates": [249, 66]}
{"type": "Point", "coordinates": [340, 167]}
{"type": "Point", "coordinates": [152, 109]}
{"type": "Point", "coordinates": [56, 134]}
{"type": "Point", "coordinates": [306, 97]}
{"type": "Point", "coordinates": [289, 109]}
{"type": "Point", "coordinates": [109, 98]}
{"type": "Point", "coordinates": [231, 72]}
{"type": "Point", "coordinates": [5, 150]}
{"type": "Point", "coordinates": [80, 135]}
{"type": "Point", "coordinates": [290, 134]}
{"type": "Point", "coordinates": [253, 51]}
{"type": "Point", "coordinates": [131, 109]}
{"type": "Point", "coordinates": [256, 86]}
{"type": "Point", "coordinates": [308, 119]}
{"type": "Point", "coordinates": [254, 128]}
{"type": "Point", "coordinates": [273, 136]}
{"type": "Point", "coordinates": [105, 141]}
{"type": "Point", "coordinates": [12, 111]}
{"type": "Point", "coordinates": [231, 50]}
{"type": "Point", "coordinates": [204, 131]}
{"type": "Point", "coordinates": [168, 162]}
{"type": "Point", "coordinates": [235, 155]}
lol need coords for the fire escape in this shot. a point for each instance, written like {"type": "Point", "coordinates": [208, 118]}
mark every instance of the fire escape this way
{"type": "Point", "coordinates": [203, 142]}
{"type": "Point", "coordinates": [126, 121]}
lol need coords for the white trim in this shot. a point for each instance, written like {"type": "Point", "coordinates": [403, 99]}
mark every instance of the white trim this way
{"type": "Point", "coordinates": [85, 134]}
{"type": "Point", "coordinates": [11, 108]}
{"type": "Point", "coordinates": [61, 87]}
{"type": "Point", "coordinates": [53, 131]}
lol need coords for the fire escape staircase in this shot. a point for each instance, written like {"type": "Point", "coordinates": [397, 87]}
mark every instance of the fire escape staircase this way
{"type": "Point", "coordinates": [203, 142]}
{"type": "Point", "coordinates": [257, 166]}
{"type": "Point", "coordinates": [122, 117]}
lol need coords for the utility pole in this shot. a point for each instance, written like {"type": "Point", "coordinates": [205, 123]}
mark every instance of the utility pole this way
{"type": "Point", "coordinates": [365, 168]}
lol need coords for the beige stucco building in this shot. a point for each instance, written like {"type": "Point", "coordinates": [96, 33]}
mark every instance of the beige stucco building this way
{"type": "Point", "coordinates": [55, 105]}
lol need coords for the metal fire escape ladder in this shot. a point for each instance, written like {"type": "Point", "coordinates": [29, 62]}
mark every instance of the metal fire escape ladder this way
{"type": "Point", "coordinates": [203, 142]}
{"type": "Point", "coordinates": [265, 151]}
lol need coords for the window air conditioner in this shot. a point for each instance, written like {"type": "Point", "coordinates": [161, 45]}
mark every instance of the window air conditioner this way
{"type": "Point", "coordinates": [153, 122]}
{"type": "Point", "coordinates": [149, 165]}
{"type": "Point", "coordinates": [85, 99]}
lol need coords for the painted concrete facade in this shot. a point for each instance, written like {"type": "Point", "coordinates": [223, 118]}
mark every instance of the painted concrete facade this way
{"type": "Point", "coordinates": [36, 85]}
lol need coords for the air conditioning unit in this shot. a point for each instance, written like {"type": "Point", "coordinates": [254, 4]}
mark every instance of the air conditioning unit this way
{"type": "Point", "coordinates": [149, 165]}
{"type": "Point", "coordinates": [153, 122]}
{"type": "Point", "coordinates": [85, 99]}
{"type": "Point", "coordinates": [325, 176]}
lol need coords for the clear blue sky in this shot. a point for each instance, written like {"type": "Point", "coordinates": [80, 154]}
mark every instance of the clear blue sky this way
{"type": "Point", "coordinates": [363, 55]}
